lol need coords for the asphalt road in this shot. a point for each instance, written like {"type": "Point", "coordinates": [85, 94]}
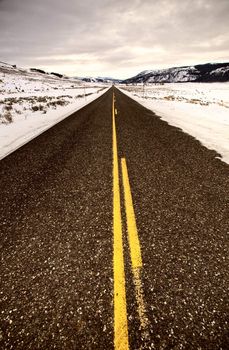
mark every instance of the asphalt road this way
{"type": "Point", "coordinates": [70, 279]}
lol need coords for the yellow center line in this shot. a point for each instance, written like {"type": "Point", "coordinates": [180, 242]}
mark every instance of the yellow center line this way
{"type": "Point", "coordinates": [135, 250]}
{"type": "Point", "coordinates": [120, 313]}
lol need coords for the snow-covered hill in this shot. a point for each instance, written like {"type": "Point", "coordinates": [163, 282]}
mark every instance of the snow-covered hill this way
{"type": "Point", "coordinates": [32, 100]}
{"type": "Point", "coordinates": [210, 72]}
{"type": "Point", "coordinates": [19, 80]}
{"type": "Point", "coordinates": [26, 91]}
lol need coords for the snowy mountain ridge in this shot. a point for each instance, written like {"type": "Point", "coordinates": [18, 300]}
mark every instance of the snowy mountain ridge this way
{"type": "Point", "coordinates": [108, 80]}
{"type": "Point", "coordinates": [209, 72]}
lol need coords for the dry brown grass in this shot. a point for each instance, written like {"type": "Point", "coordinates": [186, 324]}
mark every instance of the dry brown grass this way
{"type": "Point", "coordinates": [6, 118]}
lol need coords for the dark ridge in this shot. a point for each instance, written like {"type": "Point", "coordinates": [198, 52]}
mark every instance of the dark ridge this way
{"type": "Point", "coordinates": [204, 73]}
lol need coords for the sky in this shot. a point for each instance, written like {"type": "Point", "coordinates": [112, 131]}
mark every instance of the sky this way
{"type": "Point", "coordinates": [117, 38]}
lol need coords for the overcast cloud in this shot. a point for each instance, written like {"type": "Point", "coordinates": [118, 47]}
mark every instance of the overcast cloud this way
{"type": "Point", "coordinates": [116, 38]}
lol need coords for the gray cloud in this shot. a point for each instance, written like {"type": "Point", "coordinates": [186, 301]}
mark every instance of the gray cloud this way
{"type": "Point", "coordinates": [110, 37]}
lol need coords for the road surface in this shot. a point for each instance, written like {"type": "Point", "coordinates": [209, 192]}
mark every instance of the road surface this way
{"type": "Point", "coordinates": [113, 232]}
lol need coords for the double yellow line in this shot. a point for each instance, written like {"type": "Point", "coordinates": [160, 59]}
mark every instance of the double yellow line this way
{"type": "Point", "coordinates": [121, 341]}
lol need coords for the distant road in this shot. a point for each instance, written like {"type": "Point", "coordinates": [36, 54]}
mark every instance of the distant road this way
{"type": "Point", "coordinates": [113, 235]}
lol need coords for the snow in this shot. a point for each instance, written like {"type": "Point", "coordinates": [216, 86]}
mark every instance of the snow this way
{"type": "Point", "coordinates": [181, 74]}
{"type": "Point", "coordinates": [210, 72]}
{"type": "Point", "coordinates": [199, 109]}
{"type": "Point", "coordinates": [32, 102]}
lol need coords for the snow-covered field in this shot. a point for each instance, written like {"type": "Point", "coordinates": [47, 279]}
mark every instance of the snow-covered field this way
{"type": "Point", "coordinates": [200, 109]}
{"type": "Point", "coordinates": [31, 102]}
